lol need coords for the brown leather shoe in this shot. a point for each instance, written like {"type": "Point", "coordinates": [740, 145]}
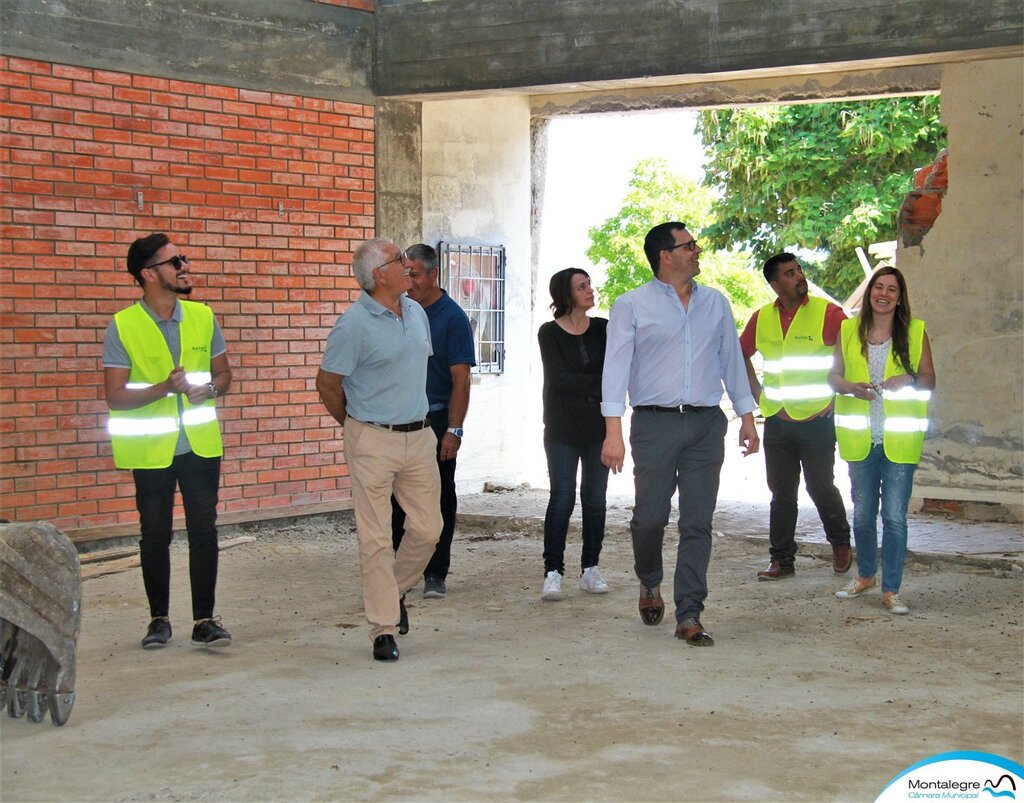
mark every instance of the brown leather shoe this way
{"type": "Point", "coordinates": [775, 571]}
{"type": "Point", "coordinates": [652, 606]}
{"type": "Point", "coordinates": [693, 633]}
{"type": "Point", "coordinates": [842, 558]}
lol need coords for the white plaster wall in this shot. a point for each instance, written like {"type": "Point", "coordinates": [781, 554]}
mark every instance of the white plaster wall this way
{"type": "Point", "coordinates": [967, 282]}
{"type": "Point", "coordinates": [476, 189]}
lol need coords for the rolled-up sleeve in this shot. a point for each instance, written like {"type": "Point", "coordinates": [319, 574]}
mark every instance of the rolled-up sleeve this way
{"type": "Point", "coordinates": [618, 358]}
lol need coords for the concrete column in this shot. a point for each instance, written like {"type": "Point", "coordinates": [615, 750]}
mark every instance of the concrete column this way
{"type": "Point", "coordinates": [966, 280]}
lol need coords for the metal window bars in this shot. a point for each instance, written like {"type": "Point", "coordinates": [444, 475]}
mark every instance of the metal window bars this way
{"type": "Point", "coordinates": [474, 276]}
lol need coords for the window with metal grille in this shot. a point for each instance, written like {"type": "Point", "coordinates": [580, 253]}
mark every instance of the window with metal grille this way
{"type": "Point", "coordinates": [474, 276]}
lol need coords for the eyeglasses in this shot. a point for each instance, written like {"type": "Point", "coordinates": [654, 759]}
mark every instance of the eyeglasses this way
{"type": "Point", "coordinates": [177, 262]}
{"type": "Point", "coordinates": [400, 258]}
{"type": "Point", "coordinates": [689, 246]}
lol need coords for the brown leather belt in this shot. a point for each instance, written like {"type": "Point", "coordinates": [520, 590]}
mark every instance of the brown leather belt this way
{"type": "Point", "coordinates": [415, 426]}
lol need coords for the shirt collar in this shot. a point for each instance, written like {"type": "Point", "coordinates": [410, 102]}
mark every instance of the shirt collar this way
{"type": "Point", "coordinates": [803, 303]}
{"type": "Point", "coordinates": [438, 300]}
{"type": "Point", "coordinates": [375, 308]}
{"type": "Point", "coordinates": [668, 289]}
{"type": "Point", "coordinates": [175, 316]}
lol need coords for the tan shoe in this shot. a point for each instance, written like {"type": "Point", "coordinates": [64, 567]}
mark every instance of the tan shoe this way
{"type": "Point", "coordinates": [856, 587]}
{"type": "Point", "coordinates": [891, 600]}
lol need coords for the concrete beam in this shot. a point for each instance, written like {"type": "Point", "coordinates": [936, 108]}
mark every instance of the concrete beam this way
{"type": "Point", "coordinates": [440, 46]}
{"type": "Point", "coordinates": [287, 46]}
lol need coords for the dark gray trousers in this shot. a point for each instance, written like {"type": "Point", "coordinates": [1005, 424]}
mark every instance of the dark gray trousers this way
{"type": "Point", "coordinates": [673, 451]}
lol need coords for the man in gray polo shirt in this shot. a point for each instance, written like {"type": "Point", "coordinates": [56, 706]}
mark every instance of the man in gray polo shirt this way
{"type": "Point", "coordinates": [373, 381]}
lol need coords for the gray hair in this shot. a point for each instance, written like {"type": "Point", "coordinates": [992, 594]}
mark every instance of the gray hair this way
{"type": "Point", "coordinates": [423, 253]}
{"type": "Point", "coordinates": [368, 256]}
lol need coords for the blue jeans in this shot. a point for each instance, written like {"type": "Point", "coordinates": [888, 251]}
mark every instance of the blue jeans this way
{"type": "Point", "coordinates": [877, 478]}
{"type": "Point", "coordinates": [563, 458]}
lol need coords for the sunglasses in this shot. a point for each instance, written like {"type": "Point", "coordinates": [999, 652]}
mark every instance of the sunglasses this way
{"type": "Point", "coordinates": [177, 262]}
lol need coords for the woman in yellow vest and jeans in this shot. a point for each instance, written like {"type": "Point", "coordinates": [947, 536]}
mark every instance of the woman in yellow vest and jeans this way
{"type": "Point", "coordinates": [883, 375]}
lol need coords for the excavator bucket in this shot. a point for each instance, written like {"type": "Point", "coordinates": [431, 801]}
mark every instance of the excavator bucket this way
{"type": "Point", "coordinates": [40, 616]}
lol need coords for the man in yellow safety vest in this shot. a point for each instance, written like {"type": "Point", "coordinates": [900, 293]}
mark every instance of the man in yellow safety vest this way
{"type": "Point", "coordinates": [796, 334]}
{"type": "Point", "coordinates": [164, 363]}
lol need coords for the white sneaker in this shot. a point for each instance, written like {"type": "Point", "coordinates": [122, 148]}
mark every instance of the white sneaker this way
{"type": "Point", "coordinates": [592, 582]}
{"type": "Point", "coordinates": [891, 601]}
{"type": "Point", "coordinates": [552, 587]}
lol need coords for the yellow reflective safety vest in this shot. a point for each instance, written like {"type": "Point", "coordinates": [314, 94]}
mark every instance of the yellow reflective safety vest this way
{"type": "Point", "coordinates": [906, 409]}
{"type": "Point", "coordinates": [147, 436]}
{"type": "Point", "coordinates": [795, 366]}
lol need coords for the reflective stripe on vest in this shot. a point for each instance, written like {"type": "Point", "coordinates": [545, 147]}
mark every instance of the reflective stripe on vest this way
{"type": "Point", "coordinates": [906, 409]}
{"type": "Point", "coordinates": [146, 437]}
{"type": "Point", "coordinates": [795, 366]}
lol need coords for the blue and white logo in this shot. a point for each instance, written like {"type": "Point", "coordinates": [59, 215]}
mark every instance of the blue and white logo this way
{"type": "Point", "coordinates": [960, 775]}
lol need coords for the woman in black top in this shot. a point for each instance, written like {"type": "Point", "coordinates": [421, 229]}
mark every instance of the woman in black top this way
{"type": "Point", "coordinates": [572, 350]}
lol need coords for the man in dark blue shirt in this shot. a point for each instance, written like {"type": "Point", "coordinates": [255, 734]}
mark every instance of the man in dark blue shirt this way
{"type": "Point", "coordinates": [448, 379]}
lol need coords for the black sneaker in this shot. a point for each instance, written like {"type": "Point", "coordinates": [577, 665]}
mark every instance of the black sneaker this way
{"type": "Point", "coordinates": [434, 587]}
{"type": "Point", "coordinates": [157, 635]}
{"type": "Point", "coordinates": [210, 633]}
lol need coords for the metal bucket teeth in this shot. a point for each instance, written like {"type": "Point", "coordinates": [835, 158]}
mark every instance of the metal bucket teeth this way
{"type": "Point", "coordinates": [40, 617]}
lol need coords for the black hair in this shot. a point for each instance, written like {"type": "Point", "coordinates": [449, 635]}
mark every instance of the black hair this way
{"type": "Point", "coordinates": [561, 290]}
{"type": "Point", "coordinates": [658, 239]}
{"type": "Point", "coordinates": [141, 252]}
{"type": "Point", "coordinates": [773, 263]}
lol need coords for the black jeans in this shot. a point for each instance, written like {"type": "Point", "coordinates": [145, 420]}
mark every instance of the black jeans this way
{"type": "Point", "coordinates": [440, 561]}
{"type": "Point", "coordinates": [563, 458]}
{"type": "Point", "coordinates": [199, 481]}
{"type": "Point", "coordinates": [788, 447]}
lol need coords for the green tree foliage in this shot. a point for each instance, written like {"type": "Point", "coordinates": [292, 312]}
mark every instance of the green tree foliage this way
{"type": "Point", "coordinates": [656, 195]}
{"type": "Point", "coordinates": [826, 176]}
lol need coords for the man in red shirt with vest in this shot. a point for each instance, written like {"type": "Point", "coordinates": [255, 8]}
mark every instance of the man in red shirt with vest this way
{"type": "Point", "coordinates": [796, 335]}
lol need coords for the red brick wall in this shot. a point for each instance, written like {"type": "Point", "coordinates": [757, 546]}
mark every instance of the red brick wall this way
{"type": "Point", "coordinates": [213, 165]}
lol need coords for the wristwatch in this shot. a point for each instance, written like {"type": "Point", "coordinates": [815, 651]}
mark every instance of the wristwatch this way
{"type": "Point", "coordinates": [213, 391]}
{"type": "Point", "coordinates": [456, 431]}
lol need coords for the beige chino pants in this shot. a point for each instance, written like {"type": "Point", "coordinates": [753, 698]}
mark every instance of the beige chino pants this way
{"type": "Point", "coordinates": [382, 462]}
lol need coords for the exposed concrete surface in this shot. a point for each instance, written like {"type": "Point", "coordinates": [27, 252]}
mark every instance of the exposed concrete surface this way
{"type": "Point", "coordinates": [975, 447]}
{"type": "Point", "coordinates": [300, 48]}
{"type": "Point", "coordinates": [462, 45]}
{"type": "Point", "coordinates": [498, 696]}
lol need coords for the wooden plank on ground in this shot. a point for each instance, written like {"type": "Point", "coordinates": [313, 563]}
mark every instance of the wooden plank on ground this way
{"type": "Point", "coordinates": [92, 570]}
{"type": "Point", "coordinates": [112, 561]}
{"type": "Point", "coordinates": [107, 554]}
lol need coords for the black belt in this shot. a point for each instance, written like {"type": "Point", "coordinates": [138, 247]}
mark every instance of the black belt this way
{"type": "Point", "coordinates": [415, 426]}
{"type": "Point", "coordinates": [682, 408]}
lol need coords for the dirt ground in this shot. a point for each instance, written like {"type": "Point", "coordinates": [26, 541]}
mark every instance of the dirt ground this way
{"type": "Point", "coordinates": [499, 696]}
